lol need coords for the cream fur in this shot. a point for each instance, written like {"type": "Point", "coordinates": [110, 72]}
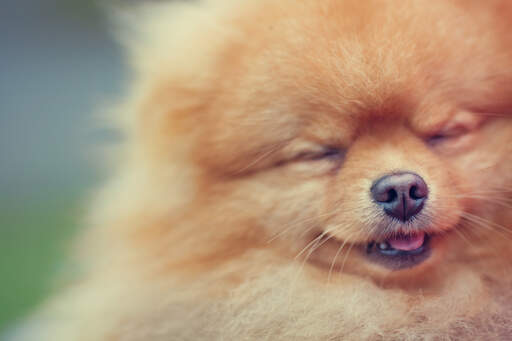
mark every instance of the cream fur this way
{"type": "Point", "coordinates": [196, 236]}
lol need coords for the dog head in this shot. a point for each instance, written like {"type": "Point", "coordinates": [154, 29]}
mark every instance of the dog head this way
{"type": "Point", "coordinates": [365, 137]}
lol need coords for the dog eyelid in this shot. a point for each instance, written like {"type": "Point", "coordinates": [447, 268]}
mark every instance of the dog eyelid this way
{"type": "Point", "coordinates": [324, 153]}
{"type": "Point", "coordinates": [448, 133]}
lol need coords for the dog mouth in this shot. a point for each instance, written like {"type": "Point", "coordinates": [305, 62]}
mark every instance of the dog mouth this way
{"type": "Point", "coordinates": [401, 251]}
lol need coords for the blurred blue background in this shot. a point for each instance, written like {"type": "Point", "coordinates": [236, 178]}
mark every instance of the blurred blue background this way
{"type": "Point", "coordinates": [58, 65]}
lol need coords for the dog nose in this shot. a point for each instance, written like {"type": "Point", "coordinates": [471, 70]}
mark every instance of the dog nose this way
{"type": "Point", "coordinates": [401, 195]}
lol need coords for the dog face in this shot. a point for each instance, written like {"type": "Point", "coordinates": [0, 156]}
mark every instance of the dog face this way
{"type": "Point", "coordinates": [327, 170]}
{"type": "Point", "coordinates": [367, 138]}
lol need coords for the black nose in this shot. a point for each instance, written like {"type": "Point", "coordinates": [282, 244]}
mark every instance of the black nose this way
{"type": "Point", "coordinates": [401, 195]}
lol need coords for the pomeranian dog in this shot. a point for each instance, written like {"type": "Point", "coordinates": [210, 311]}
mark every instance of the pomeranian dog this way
{"type": "Point", "coordinates": [305, 170]}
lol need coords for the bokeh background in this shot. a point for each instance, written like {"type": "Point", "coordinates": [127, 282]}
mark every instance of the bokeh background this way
{"type": "Point", "coordinates": [58, 66]}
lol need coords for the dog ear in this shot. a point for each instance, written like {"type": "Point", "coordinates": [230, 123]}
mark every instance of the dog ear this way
{"type": "Point", "coordinates": [141, 27]}
{"type": "Point", "coordinates": [168, 41]}
{"type": "Point", "coordinates": [152, 31]}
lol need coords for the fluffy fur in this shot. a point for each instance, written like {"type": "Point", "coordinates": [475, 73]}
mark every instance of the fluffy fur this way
{"type": "Point", "coordinates": [224, 220]}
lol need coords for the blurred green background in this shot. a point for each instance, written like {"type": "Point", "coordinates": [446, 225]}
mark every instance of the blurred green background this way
{"type": "Point", "coordinates": [58, 65]}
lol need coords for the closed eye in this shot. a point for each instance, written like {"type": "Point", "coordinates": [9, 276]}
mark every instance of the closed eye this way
{"type": "Point", "coordinates": [447, 135]}
{"type": "Point", "coordinates": [314, 161]}
{"type": "Point", "coordinates": [326, 153]}
{"type": "Point", "coordinates": [458, 132]}
{"type": "Point", "coordinates": [313, 155]}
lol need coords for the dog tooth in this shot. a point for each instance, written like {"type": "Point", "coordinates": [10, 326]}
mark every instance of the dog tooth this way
{"type": "Point", "coordinates": [383, 246]}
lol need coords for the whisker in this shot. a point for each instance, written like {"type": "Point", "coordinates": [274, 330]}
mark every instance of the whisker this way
{"type": "Point", "coordinates": [311, 243]}
{"type": "Point", "coordinates": [491, 114]}
{"type": "Point", "coordinates": [346, 257]}
{"type": "Point", "coordinates": [317, 245]}
{"type": "Point", "coordinates": [499, 201]}
{"type": "Point", "coordinates": [461, 235]}
{"type": "Point", "coordinates": [485, 221]}
{"type": "Point", "coordinates": [288, 227]}
{"type": "Point", "coordinates": [335, 257]}
{"type": "Point", "coordinates": [475, 224]}
{"type": "Point", "coordinates": [297, 222]}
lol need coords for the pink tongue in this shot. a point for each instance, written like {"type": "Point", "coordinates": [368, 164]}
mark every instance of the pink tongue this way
{"type": "Point", "coordinates": [407, 243]}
